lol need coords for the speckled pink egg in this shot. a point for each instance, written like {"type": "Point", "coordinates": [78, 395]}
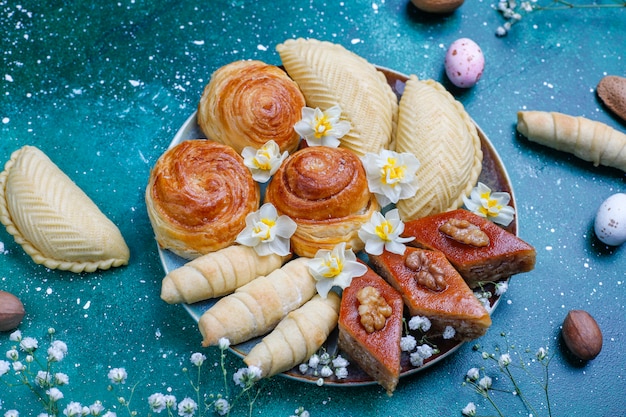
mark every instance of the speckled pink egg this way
{"type": "Point", "coordinates": [464, 63]}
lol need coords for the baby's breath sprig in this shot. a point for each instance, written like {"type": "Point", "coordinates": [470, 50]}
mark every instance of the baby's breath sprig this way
{"type": "Point", "coordinates": [513, 11]}
{"type": "Point", "coordinates": [482, 383]}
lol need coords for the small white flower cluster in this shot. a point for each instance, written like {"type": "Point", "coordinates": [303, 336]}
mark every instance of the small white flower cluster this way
{"type": "Point", "coordinates": [45, 383]}
{"type": "Point", "coordinates": [408, 343]}
{"type": "Point", "coordinates": [484, 296]}
{"type": "Point", "coordinates": [325, 365]}
{"type": "Point", "coordinates": [511, 11]}
{"type": "Point", "coordinates": [483, 383]}
{"type": "Point", "coordinates": [300, 412]}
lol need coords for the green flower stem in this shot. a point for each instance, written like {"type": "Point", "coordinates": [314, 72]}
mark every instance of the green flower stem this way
{"type": "Point", "coordinates": [565, 5]}
{"type": "Point", "coordinates": [518, 390]}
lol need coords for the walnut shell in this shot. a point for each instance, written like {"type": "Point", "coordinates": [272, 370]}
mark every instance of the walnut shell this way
{"type": "Point", "coordinates": [11, 311]}
{"type": "Point", "coordinates": [582, 335]}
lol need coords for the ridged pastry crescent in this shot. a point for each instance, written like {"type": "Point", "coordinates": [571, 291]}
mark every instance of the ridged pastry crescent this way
{"type": "Point", "coordinates": [56, 223]}
{"type": "Point", "coordinates": [329, 75]}
{"type": "Point", "coordinates": [324, 190]}
{"type": "Point", "coordinates": [198, 196]}
{"type": "Point", "coordinates": [247, 103]}
{"type": "Point", "coordinates": [435, 127]}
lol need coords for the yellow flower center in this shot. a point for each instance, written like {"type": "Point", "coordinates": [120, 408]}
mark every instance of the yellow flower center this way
{"type": "Point", "coordinates": [383, 230]}
{"type": "Point", "coordinates": [322, 125]}
{"type": "Point", "coordinates": [264, 226]}
{"type": "Point", "coordinates": [262, 159]}
{"type": "Point", "coordinates": [393, 173]}
{"type": "Point", "coordinates": [334, 265]}
{"type": "Point", "coordinates": [493, 206]}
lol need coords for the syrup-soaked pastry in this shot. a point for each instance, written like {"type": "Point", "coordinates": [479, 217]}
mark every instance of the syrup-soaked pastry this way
{"type": "Point", "coordinates": [487, 253]}
{"type": "Point", "coordinates": [328, 74]}
{"type": "Point", "coordinates": [298, 336]}
{"type": "Point", "coordinates": [55, 222]}
{"type": "Point", "coordinates": [370, 327]}
{"type": "Point", "coordinates": [324, 190]}
{"type": "Point", "coordinates": [431, 287]}
{"type": "Point", "coordinates": [198, 196]}
{"type": "Point", "coordinates": [248, 103]}
{"type": "Point", "coordinates": [434, 126]}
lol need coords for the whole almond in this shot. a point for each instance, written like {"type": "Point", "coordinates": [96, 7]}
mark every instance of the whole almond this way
{"type": "Point", "coordinates": [11, 311]}
{"type": "Point", "coordinates": [582, 335]}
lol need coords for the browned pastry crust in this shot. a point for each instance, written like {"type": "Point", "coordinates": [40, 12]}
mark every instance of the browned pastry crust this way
{"type": "Point", "coordinates": [198, 197]}
{"type": "Point", "coordinates": [247, 103]}
{"type": "Point", "coordinates": [324, 190]}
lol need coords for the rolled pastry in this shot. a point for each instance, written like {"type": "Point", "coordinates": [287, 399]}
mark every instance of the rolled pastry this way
{"type": "Point", "coordinates": [198, 196]}
{"type": "Point", "coordinates": [257, 307]}
{"type": "Point", "coordinates": [435, 127]}
{"type": "Point", "coordinates": [247, 103]}
{"type": "Point", "coordinates": [55, 222]}
{"type": "Point", "coordinates": [328, 74]}
{"type": "Point", "coordinates": [324, 190]}
{"type": "Point", "coordinates": [587, 139]}
{"type": "Point", "coordinates": [296, 337]}
{"type": "Point", "coordinates": [216, 274]}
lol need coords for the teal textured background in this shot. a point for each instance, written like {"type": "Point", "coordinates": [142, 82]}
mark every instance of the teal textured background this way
{"type": "Point", "coordinates": [102, 87]}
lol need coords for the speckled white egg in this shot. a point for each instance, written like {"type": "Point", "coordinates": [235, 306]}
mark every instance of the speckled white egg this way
{"type": "Point", "coordinates": [464, 63]}
{"type": "Point", "coordinates": [610, 223]}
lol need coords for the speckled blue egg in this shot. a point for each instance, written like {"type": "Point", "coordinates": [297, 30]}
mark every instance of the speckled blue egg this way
{"type": "Point", "coordinates": [464, 63]}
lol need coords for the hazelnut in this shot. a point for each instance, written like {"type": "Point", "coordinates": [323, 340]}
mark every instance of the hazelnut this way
{"type": "Point", "coordinates": [438, 6]}
{"type": "Point", "coordinates": [11, 311]}
{"type": "Point", "coordinates": [582, 335]}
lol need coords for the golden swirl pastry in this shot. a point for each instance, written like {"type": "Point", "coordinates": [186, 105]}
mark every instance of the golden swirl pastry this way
{"type": "Point", "coordinates": [198, 197]}
{"type": "Point", "coordinates": [247, 103]}
{"type": "Point", "coordinates": [55, 222]}
{"type": "Point", "coordinates": [435, 127]}
{"type": "Point", "coordinates": [328, 74]}
{"type": "Point", "coordinates": [324, 190]}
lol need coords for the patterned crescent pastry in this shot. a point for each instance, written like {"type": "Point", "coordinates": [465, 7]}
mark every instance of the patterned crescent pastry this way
{"type": "Point", "coordinates": [56, 223]}
{"type": "Point", "coordinates": [438, 131]}
{"type": "Point", "coordinates": [324, 190]}
{"type": "Point", "coordinates": [198, 197]}
{"type": "Point", "coordinates": [329, 75]}
{"type": "Point", "coordinates": [247, 103]}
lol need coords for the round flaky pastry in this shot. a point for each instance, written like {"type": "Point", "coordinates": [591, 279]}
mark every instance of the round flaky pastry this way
{"type": "Point", "coordinates": [324, 190]}
{"type": "Point", "coordinates": [248, 103]}
{"type": "Point", "coordinates": [198, 197]}
{"type": "Point", "coordinates": [55, 222]}
{"type": "Point", "coordinates": [435, 127]}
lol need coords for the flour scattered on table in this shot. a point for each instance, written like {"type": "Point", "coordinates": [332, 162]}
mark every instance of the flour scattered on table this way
{"type": "Point", "coordinates": [5, 120]}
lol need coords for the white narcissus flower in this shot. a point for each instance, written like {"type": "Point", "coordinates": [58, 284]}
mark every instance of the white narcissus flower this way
{"type": "Point", "coordinates": [473, 374]}
{"type": "Point", "coordinates": [419, 323]}
{"type": "Point", "coordinates": [322, 128]}
{"type": "Point", "coordinates": [29, 344]}
{"type": "Point", "coordinates": [504, 360]}
{"type": "Point", "coordinates": [156, 402]}
{"type": "Point", "coordinates": [492, 206]}
{"type": "Point", "coordinates": [391, 176]}
{"type": "Point", "coordinates": [263, 162]}
{"type": "Point", "coordinates": [4, 367]}
{"type": "Point", "coordinates": [485, 383]}
{"type": "Point", "coordinates": [383, 232]}
{"type": "Point", "coordinates": [335, 268]}
{"type": "Point", "coordinates": [501, 287]}
{"type": "Point", "coordinates": [267, 232]}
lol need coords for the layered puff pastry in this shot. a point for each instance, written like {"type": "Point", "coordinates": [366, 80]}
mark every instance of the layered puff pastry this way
{"type": "Point", "coordinates": [435, 127]}
{"type": "Point", "coordinates": [198, 196]}
{"type": "Point", "coordinates": [53, 220]}
{"type": "Point", "coordinates": [248, 103]}
{"type": "Point", "coordinates": [330, 75]}
{"type": "Point", "coordinates": [324, 190]}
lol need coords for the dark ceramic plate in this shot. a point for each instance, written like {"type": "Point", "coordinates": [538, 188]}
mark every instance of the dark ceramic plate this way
{"type": "Point", "coordinates": [493, 175]}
